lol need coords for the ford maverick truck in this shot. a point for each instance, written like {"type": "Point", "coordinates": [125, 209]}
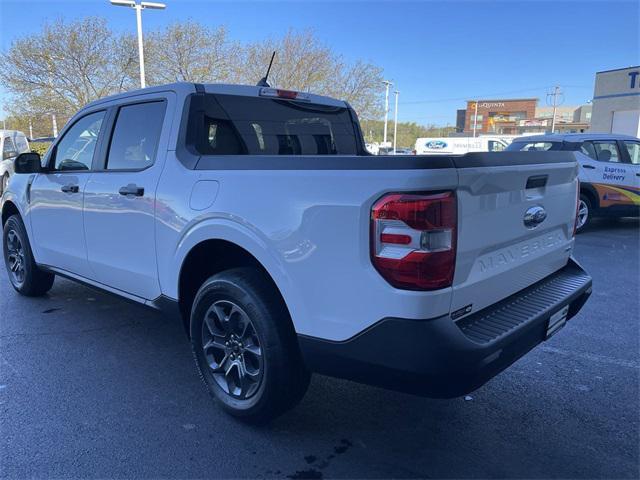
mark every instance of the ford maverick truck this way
{"type": "Point", "coordinates": [256, 216]}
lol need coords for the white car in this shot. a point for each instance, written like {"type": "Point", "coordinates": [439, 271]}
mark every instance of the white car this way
{"type": "Point", "coordinates": [609, 170]}
{"type": "Point", "coordinates": [257, 217]}
{"type": "Point", "coordinates": [12, 144]}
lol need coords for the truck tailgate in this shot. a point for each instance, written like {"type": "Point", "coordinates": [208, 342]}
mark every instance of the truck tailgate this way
{"type": "Point", "coordinates": [516, 212]}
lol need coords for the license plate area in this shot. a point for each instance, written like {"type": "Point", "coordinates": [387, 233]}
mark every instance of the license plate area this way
{"type": "Point", "coordinates": [557, 321]}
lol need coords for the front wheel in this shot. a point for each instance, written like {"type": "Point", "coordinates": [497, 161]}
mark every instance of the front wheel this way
{"type": "Point", "coordinates": [585, 212]}
{"type": "Point", "coordinates": [245, 346]}
{"type": "Point", "coordinates": [24, 274]}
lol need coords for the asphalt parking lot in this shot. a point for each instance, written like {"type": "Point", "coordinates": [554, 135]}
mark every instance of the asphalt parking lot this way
{"type": "Point", "coordinates": [92, 386]}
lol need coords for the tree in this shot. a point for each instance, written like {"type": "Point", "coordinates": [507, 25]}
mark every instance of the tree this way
{"type": "Point", "coordinates": [72, 63]}
{"type": "Point", "coordinates": [189, 52]}
{"type": "Point", "coordinates": [303, 63]}
{"type": "Point", "coordinates": [67, 66]}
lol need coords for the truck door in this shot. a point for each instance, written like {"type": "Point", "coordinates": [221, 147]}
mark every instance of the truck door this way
{"type": "Point", "coordinates": [612, 174]}
{"type": "Point", "coordinates": [119, 211]}
{"type": "Point", "coordinates": [55, 209]}
{"type": "Point", "coordinates": [632, 148]}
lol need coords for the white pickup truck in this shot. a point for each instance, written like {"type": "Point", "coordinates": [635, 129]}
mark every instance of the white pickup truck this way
{"type": "Point", "coordinates": [256, 215]}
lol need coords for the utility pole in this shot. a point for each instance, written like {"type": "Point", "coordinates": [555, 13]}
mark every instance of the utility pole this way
{"type": "Point", "coordinates": [30, 129]}
{"type": "Point", "coordinates": [395, 122]}
{"type": "Point", "coordinates": [387, 84]}
{"type": "Point", "coordinates": [554, 99]}
{"type": "Point", "coordinates": [54, 125]}
{"type": "Point", "coordinates": [138, 8]}
{"type": "Point", "coordinates": [475, 119]}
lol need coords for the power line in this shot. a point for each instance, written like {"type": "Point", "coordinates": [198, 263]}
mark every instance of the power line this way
{"type": "Point", "coordinates": [486, 95]}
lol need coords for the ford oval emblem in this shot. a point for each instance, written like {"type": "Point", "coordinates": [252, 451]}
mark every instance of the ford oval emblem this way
{"type": "Point", "coordinates": [436, 144]}
{"type": "Point", "coordinates": [534, 216]}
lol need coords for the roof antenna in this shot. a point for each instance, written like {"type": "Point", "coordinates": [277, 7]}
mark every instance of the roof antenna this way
{"type": "Point", "coordinates": [263, 81]}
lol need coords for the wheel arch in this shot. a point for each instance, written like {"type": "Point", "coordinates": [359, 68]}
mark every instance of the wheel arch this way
{"type": "Point", "coordinates": [9, 208]}
{"type": "Point", "coordinates": [591, 193]}
{"type": "Point", "coordinates": [211, 256]}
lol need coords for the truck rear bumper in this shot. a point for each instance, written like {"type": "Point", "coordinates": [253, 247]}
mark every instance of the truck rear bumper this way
{"type": "Point", "coordinates": [443, 358]}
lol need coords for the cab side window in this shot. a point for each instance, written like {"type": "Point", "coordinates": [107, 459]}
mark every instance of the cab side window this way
{"type": "Point", "coordinates": [589, 150]}
{"type": "Point", "coordinates": [135, 136]}
{"type": "Point", "coordinates": [607, 151]}
{"type": "Point", "coordinates": [634, 151]}
{"type": "Point", "coordinates": [8, 149]}
{"type": "Point", "coordinates": [75, 151]}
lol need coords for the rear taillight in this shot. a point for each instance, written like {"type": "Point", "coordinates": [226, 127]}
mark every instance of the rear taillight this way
{"type": "Point", "coordinates": [575, 223]}
{"type": "Point", "coordinates": [413, 239]}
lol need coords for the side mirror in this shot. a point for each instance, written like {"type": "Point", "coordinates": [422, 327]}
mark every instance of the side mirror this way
{"type": "Point", "coordinates": [28, 162]}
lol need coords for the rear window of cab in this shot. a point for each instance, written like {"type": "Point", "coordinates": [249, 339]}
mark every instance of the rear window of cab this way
{"type": "Point", "coordinates": [243, 125]}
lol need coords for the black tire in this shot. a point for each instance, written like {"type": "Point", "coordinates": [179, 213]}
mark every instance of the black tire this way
{"type": "Point", "coordinates": [25, 277]}
{"type": "Point", "coordinates": [243, 301]}
{"type": "Point", "coordinates": [585, 213]}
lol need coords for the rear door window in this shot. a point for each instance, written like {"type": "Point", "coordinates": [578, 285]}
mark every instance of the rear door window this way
{"type": "Point", "coordinates": [135, 136]}
{"type": "Point", "coordinates": [240, 125]}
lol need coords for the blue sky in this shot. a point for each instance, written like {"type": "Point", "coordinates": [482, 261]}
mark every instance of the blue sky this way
{"type": "Point", "coordinates": [437, 53]}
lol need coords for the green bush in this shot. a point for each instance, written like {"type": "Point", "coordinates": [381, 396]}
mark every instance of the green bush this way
{"type": "Point", "coordinates": [40, 147]}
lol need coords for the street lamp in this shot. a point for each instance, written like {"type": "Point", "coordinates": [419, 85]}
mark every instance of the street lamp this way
{"type": "Point", "coordinates": [395, 123]}
{"type": "Point", "coordinates": [387, 84]}
{"type": "Point", "coordinates": [138, 7]}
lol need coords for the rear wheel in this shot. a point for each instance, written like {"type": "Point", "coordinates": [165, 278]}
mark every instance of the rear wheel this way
{"type": "Point", "coordinates": [24, 274]}
{"type": "Point", "coordinates": [245, 346]}
{"type": "Point", "coordinates": [585, 212]}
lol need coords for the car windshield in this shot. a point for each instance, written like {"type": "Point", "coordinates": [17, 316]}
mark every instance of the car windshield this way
{"type": "Point", "coordinates": [533, 146]}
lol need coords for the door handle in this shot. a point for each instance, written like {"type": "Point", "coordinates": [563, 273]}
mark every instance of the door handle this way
{"type": "Point", "coordinates": [591, 167]}
{"type": "Point", "coordinates": [70, 188]}
{"type": "Point", "coordinates": [131, 189]}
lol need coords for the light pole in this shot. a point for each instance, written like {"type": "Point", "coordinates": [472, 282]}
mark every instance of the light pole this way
{"type": "Point", "coordinates": [139, 7]}
{"type": "Point", "coordinates": [395, 122]}
{"type": "Point", "coordinates": [387, 84]}
{"type": "Point", "coordinates": [475, 120]}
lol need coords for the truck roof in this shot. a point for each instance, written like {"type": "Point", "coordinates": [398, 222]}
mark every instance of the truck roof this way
{"type": "Point", "coordinates": [186, 88]}
{"type": "Point", "coordinates": [573, 137]}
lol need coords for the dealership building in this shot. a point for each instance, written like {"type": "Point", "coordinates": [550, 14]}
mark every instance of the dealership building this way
{"type": "Point", "coordinates": [616, 102]}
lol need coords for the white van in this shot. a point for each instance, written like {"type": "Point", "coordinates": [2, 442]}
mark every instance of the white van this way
{"type": "Point", "coordinates": [459, 145]}
{"type": "Point", "coordinates": [12, 144]}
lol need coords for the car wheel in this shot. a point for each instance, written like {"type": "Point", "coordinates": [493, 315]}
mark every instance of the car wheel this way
{"type": "Point", "coordinates": [4, 183]}
{"type": "Point", "coordinates": [245, 346]}
{"type": "Point", "coordinates": [24, 274]}
{"type": "Point", "coordinates": [585, 212]}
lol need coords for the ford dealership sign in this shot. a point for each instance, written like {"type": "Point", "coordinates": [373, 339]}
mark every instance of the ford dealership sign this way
{"type": "Point", "coordinates": [436, 145]}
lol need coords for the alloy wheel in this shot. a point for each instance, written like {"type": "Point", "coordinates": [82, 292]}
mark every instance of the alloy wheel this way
{"type": "Point", "coordinates": [15, 257]}
{"type": "Point", "coordinates": [232, 350]}
{"type": "Point", "coordinates": [583, 213]}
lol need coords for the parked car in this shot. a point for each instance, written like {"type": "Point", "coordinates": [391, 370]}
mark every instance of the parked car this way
{"type": "Point", "coordinates": [609, 170]}
{"type": "Point", "coordinates": [12, 143]}
{"type": "Point", "coordinates": [256, 216]}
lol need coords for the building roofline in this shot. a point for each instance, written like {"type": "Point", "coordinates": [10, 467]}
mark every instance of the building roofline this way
{"type": "Point", "coordinates": [482, 100]}
{"type": "Point", "coordinates": [618, 69]}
